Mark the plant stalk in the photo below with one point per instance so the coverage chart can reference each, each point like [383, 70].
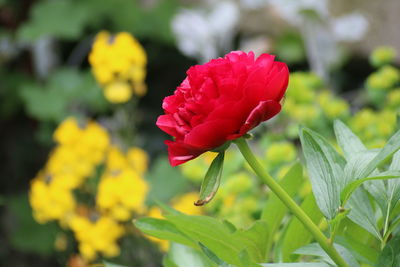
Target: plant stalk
[289, 202]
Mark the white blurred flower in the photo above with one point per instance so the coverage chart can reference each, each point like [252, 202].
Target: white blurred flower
[253, 4]
[349, 28]
[205, 35]
[291, 10]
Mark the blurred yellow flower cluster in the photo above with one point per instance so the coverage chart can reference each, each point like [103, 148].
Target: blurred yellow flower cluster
[97, 235]
[374, 127]
[119, 65]
[85, 163]
[307, 101]
[122, 189]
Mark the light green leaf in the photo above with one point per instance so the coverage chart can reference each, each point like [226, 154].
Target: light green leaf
[211, 181]
[61, 18]
[211, 233]
[347, 140]
[254, 240]
[274, 209]
[213, 257]
[361, 212]
[393, 185]
[384, 154]
[302, 264]
[351, 187]
[164, 230]
[109, 264]
[325, 167]
[356, 165]
[219, 238]
[315, 250]
[183, 256]
[296, 234]
[390, 255]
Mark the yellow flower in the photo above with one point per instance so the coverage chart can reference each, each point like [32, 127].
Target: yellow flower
[185, 204]
[67, 132]
[122, 190]
[138, 158]
[119, 65]
[98, 235]
[280, 152]
[49, 201]
[118, 92]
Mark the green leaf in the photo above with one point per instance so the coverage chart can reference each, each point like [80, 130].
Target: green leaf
[361, 212]
[25, 233]
[351, 187]
[219, 238]
[384, 154]
[361, 251]
[162, 189]
[163, 229]
[54, 18]
[66, 91]
[274, 210]
[393, 185]
[212, 233]
[356, 165]
[183, 256]
[109, 264]
[211, 181]
[254, 240]
[325, 167]
[347, 140]
[315, 250]
[390, 255]
[296, 234]
[213, 257]
[302, 264]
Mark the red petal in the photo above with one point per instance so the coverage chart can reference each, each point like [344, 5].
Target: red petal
[179, 152]
[211, 134]
[167, 124]
[264, 111]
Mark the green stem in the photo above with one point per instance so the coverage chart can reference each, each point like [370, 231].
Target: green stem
[289, 202]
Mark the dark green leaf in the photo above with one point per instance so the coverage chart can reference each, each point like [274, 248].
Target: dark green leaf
[390, 256]
[25, 233]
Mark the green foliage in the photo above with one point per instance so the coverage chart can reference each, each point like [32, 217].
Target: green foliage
[26, 234]
[296, 235]
[68, 92]
[315, 250]
[390, 256]
[64, 19]
[68, 19]
[224, 241]
[325, 167]
[182, 256]
[165, 182]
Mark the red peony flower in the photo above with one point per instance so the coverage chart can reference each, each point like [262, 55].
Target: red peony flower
[221, 101]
